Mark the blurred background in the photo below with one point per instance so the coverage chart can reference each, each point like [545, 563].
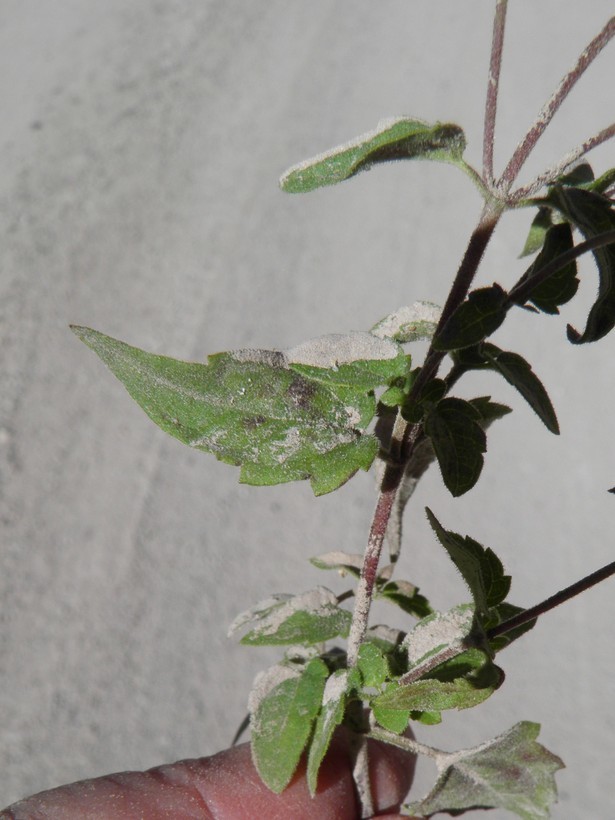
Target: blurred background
[141, 145]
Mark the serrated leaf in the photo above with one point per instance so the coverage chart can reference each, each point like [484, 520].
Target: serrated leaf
[518, 373]
[283, 706]
[461, 684]
[592, 214]
[329, 718]
[406, 596]
[480, 567]
[400, 138]
[310, 618]
[343, 562]
[538, 231]
[562, 285]
[511, 772]
[252, 409]
[488, 410]
[478, 317]
[459, 442]
[414, 323]
[395, 720]
[372, 665]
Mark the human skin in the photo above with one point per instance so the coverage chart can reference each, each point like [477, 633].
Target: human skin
[226, 786]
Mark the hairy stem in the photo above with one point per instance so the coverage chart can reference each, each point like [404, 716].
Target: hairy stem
[406, 743]
[523, 150]
[493, 83]
[555, 600]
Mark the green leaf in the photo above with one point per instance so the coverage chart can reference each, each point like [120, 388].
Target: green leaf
[489, 410]
[603, 182]
[409, 324]
[459, 443]
[395, 720]
[329, 718]
[393, 139]
[461, 683]
[592, 214]
[480, 567]
[372, 665]
[406, 596]
[499, 614]
[511, 772]
[310, 618]
[283, 706]
[252, 408]
[478, 317]
[520, 375]
[538, 231]
[581, 174]
[437, 632]
[562, 285]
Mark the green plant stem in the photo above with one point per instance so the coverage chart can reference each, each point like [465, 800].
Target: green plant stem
[555, 600]
[525, 147]
[493, 84]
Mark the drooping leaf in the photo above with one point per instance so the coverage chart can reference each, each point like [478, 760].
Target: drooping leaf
[310, 618]
[518, 373]
[478, 317]
[393, 139]
[592, 214]
[538, 231]
[511, 772]
[283, 706]
[253, 409]
[461, 683]
[480, 567]
[329, 718]
[459, 442]
[562, 285]
[406, 596]
[409, 324]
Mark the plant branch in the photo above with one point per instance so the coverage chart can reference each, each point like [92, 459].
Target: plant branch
[524, 287]
[551, 174]
[555, 600]
[493, 83]
[406, 743]
[523, 150]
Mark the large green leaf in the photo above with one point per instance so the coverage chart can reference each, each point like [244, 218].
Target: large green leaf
[511, 772]
[562, 285]
[480, 567]
[459, 442]
[400, 138]
[254, 408]
[309, 618]
[478, 317]
[592, 214]
[283, 705]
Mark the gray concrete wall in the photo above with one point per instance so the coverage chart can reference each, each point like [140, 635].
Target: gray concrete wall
[141, 144]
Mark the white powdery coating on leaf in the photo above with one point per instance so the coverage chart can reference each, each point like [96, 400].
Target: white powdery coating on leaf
[258, 611]
[265, 682]
[335, 688]
[443, 629]
[339, 560]
[416, 320]
[335, 349]
[320, 601]
[272, 358]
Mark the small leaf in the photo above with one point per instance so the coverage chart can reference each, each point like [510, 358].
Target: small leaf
[580, 174]
[395, 720]
[499, 614]
[406, 596]
[478, 317]
[344, 562]
[283, 706]
[444, 688]
[393, 139]
[409, 324]
[538, 230]
[480, 567]
[310, 618]
[520, 375]
[562, 285]
[253, 409]
[604, 181]
[329, 718]
[592, 214]
[489, 410]
[511, 772]
[459, 443]
[372, 665]
[437, 632]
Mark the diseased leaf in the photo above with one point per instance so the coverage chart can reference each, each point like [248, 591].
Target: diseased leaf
[520, 375]
[592, 214]
[309, 618]
[562, 285]
[461, 683]
[344, 562]
[283, 706]
[511, 772]
[478, 317]
[437, 632]
[538, 230]
[372, 665]
[406, 596]
[480, 567]
[329, 718]
[252, 408]
[459, 442]
[393, 139]
[409, 324]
